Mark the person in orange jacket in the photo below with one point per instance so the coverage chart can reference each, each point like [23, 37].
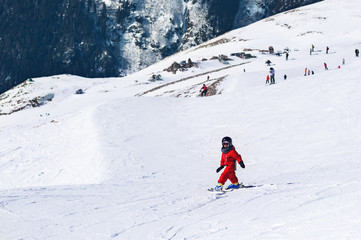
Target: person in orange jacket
[267, 79]
[228, 160]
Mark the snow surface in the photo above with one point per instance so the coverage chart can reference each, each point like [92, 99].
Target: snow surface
[132, 159]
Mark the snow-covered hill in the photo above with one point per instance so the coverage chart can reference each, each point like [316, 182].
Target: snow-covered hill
[132, 158]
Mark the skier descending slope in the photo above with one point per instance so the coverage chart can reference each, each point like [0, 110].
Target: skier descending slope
[228, 160]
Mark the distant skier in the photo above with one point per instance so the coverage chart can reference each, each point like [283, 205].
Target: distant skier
[272, 73]
[343, 61]
[287, 56]
[327, 48]
[285, 77]
[229, 159]
[325, 65]
[305, 71]
[203, 90]
[267, 79]
[357, 52]
[271, 50]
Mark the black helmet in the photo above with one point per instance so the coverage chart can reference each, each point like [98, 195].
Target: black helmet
[227, 139]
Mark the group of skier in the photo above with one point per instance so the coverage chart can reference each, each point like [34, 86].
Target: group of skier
[309, 72]
[271, 77]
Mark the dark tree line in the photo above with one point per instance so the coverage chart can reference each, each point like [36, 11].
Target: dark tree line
[222, 15]
[48, 37]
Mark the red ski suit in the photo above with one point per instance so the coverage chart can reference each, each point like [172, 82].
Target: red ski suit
[229, 160]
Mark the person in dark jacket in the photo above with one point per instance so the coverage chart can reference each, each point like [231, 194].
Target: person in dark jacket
[272, 73]
[229, 159]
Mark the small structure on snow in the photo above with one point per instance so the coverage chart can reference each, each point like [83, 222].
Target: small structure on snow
[182, 66]
[79, 91]
[243, 55]
[155, 77]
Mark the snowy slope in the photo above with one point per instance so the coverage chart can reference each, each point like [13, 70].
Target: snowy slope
[132, 159]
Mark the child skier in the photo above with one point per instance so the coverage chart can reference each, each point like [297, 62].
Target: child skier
[228, 160]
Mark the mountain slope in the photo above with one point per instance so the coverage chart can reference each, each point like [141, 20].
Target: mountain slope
[96, 38]
[132, 158]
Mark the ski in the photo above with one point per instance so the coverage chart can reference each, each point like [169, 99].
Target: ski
[226, 189]
[216, 192]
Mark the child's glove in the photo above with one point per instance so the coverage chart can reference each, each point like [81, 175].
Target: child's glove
[219, 169]
[242, 164]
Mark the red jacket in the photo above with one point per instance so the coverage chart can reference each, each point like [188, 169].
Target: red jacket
[229, 160]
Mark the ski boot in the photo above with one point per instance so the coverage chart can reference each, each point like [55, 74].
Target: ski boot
[218, 187]
[234, 186]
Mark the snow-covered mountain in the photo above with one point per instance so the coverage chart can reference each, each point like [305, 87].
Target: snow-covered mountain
[152, 30]
[132, 157]
[111, 38]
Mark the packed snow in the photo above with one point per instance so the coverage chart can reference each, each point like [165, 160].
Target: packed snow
[133, 159]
